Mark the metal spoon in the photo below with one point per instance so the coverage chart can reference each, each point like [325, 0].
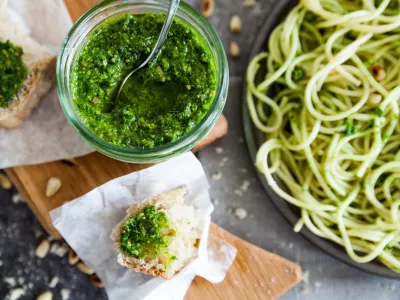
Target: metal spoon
[173, 7]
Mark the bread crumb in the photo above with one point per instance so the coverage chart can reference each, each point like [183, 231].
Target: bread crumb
[16, 294]
[65, 293]
[10, 281]
[240, 213]
[53, 282]
[304, 290]
[245, 185]
[249, 3]
[219, 150]
[223, 162]
[59, 249]
[216, 176]
[30, 285]
[21, 280]
[238, 192]
[306, 276]
[17, 198]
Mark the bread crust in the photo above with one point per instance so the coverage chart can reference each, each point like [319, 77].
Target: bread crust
[41, 78]
[163, 200]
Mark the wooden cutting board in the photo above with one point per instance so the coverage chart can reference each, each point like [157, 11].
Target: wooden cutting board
[255, 274]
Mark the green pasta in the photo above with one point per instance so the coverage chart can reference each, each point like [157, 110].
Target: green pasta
[329, 106]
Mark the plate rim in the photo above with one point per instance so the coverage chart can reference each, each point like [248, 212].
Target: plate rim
[285, 209]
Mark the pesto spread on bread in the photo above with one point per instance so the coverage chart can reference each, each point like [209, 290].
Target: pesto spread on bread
[12, 71]
[145, 235]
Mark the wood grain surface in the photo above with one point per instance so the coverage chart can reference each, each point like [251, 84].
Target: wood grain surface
[255, 274]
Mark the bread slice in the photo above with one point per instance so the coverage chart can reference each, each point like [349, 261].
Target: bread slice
[41, 77]
[184, 245]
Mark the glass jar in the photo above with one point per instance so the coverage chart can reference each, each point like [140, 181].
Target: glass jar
[77, 37]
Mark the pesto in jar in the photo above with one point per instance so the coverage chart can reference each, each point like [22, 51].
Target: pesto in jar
[12, 71]
[161, 102]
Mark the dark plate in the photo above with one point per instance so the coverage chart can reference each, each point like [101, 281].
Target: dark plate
[255, 138]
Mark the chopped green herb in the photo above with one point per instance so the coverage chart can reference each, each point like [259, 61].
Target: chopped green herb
[379, 112]
[142, 234]
[310, 17]
[350, 128]
[298, 74]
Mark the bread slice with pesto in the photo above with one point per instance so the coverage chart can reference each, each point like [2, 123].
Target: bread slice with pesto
[159, 235]
[40, 73]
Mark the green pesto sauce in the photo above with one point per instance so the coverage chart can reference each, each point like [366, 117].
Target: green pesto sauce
[142, 234]
[12, 71]
[160, 103]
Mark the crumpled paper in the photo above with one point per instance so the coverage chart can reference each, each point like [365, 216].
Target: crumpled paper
[46, 135]
[87, 222]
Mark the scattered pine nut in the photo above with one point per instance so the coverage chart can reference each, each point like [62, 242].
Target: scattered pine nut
[207, 8]
[374, 98]
[234, 49]
[65, 293]
[53, 186]
[47, 295]
[84, 268]
[72, 257]
[95, 280]
[5, 183]
[240, 213]
[249, 3]
[378, 72]
[42, 249]
[235, 24]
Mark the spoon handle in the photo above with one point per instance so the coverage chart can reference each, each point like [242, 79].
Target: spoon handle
[173, 7]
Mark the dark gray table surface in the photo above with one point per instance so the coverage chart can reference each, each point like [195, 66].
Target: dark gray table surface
[233, 185]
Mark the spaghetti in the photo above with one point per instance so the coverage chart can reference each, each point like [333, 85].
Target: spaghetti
[329, 106]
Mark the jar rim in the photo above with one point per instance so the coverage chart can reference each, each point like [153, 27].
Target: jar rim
[162, 152]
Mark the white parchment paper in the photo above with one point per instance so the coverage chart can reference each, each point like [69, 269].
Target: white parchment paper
[46, 135]
[87, 222]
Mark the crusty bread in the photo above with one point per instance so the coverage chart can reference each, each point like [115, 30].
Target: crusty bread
[184, 245]
[41, 72]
